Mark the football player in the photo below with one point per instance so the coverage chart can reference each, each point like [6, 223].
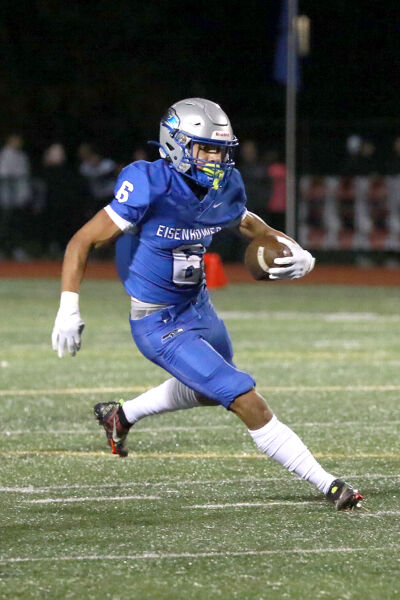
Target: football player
[169, 210]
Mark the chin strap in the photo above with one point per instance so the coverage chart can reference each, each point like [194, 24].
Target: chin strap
[163, 152]
[210, 175]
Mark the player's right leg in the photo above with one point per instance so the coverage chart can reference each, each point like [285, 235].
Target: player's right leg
[118, 417]
[111, 417]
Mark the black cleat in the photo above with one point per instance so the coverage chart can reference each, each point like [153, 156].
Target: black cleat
[107, 415]
[343, 497]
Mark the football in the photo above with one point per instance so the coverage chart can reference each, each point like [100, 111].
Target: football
[261, 253]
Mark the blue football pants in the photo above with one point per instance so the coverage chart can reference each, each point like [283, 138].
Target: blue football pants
[191, 342]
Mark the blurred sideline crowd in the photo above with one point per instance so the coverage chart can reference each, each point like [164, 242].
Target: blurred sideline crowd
[356, 209]
[42, 208]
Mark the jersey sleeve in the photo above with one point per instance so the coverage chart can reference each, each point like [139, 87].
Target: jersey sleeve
[131, 200]
[234, 224]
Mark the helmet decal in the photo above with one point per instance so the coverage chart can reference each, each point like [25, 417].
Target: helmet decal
[220, 135]
[172, 119]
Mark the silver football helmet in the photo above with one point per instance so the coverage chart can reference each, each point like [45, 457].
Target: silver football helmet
[197, 121]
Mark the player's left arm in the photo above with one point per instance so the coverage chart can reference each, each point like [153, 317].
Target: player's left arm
[297, 265]
[253, 226]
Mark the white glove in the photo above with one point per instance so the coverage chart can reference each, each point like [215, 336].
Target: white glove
[292, 267]
[68, 326]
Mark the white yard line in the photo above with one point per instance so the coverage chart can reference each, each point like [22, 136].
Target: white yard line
[95, 431]
[90, 499]
[241, 315]
[250, 504]
[380, 513]
[160, 430]
[169, 484]
[175, 484]
[139, 389]
[211, 554]
[363, 424]
[190, 455]
[66, 391]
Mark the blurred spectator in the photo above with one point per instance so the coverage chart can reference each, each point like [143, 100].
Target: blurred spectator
[369, 165]
[255, 177]
[353, 144]
[66, 201]
[15, 196]
[393, 162]
[346, 204]
[361, 159]
[276, 170]
[140, 153]
[318, 223]
[378, 204]
[54, 156]
[100, 173]
[14, 173]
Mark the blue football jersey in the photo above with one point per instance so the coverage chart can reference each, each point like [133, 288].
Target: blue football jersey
[160, 258]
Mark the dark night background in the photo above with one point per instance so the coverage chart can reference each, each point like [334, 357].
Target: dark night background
[106, 71]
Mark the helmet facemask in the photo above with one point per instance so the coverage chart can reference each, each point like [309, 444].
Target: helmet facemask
[206, 173]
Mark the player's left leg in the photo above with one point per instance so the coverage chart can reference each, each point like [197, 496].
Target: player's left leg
[278, 441]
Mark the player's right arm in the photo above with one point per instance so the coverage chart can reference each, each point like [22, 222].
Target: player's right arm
[68, 327]
[128, 207]
[97, 232]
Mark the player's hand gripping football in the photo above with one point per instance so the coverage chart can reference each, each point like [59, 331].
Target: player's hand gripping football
[292, 267]
[68, 326]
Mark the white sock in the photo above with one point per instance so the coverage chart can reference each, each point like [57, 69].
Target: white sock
[281, 443]
[167, 397]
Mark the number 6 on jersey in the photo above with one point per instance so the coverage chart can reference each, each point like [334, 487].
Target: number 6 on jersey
[123, 193]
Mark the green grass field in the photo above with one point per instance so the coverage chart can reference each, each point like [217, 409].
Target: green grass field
[195, 512]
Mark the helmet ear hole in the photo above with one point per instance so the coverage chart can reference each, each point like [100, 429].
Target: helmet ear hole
[181, 138]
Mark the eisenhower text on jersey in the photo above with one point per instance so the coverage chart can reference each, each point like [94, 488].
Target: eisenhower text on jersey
[176, 233]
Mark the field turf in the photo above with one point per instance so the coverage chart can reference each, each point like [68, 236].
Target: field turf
[195, 512]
